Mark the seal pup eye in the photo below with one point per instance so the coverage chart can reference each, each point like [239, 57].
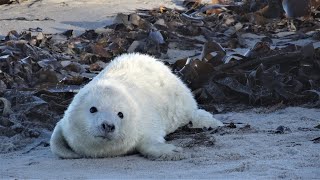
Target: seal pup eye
[93, 109]
[120, 114]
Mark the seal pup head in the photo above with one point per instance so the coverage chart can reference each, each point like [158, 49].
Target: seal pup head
[100, 121]
[102, 114]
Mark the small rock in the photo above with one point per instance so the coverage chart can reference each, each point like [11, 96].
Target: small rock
[272, 10]
[296, 8]
[5, 2]
[231, 125]
[316, 140]
[282, 130]
[157, 37]
[161, 23]
[32, 134]
[5, 122]
[134, 46]
[18, 129]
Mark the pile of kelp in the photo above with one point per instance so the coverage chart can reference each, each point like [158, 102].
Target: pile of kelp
[40, 73]
[8, 2]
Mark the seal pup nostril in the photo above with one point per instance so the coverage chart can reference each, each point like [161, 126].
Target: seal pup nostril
[112, 127]
[108, 127]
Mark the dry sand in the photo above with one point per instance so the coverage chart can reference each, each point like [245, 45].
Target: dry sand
[78, 15]
[254, 152]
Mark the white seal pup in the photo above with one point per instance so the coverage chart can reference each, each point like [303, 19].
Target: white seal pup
[130, 106]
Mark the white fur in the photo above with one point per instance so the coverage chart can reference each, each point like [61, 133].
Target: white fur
[153, 100]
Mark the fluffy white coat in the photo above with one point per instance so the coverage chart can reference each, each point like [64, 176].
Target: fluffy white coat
[141, 100]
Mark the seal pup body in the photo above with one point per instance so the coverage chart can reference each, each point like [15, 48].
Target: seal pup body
[129, 106]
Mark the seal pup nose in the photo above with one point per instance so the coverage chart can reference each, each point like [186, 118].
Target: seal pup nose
[107, 127]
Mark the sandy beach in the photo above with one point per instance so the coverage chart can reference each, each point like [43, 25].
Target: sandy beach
[256, 151]
[57, 16]
[265, 144]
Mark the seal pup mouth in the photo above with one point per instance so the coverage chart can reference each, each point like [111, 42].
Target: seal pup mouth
[104, 137]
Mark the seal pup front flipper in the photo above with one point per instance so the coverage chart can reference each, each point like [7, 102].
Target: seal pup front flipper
[59, 145]
[160, 151]
[204, 119]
